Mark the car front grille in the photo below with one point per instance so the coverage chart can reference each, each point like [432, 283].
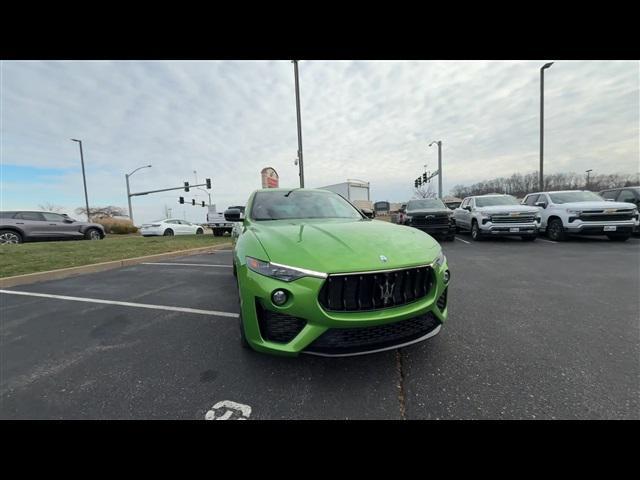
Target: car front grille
[510, 219]
[600, 216]
[336, 341]
[430, 220]
[278, 327]
[375, 290]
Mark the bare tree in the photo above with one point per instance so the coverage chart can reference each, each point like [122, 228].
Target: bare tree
[51, 207]
[424, 191]
[102, 212]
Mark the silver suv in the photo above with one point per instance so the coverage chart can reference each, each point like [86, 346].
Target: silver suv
[18, 227]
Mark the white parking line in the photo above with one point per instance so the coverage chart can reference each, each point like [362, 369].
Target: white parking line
[124, 304]
[188, 264]
[469, 243]
[548, 241]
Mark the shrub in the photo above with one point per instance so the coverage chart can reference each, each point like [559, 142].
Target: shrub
[117, 226]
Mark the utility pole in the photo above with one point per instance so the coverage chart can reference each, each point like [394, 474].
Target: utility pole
[439, 143]
[300, 165]
[588, 172]
[541, 179]
[84, 179]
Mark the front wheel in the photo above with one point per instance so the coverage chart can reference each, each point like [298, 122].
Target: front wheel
[555, 230]
[168, 233]
[199, 231]
[9, 236]
[475, 232]
[619, 238]
[92, 234]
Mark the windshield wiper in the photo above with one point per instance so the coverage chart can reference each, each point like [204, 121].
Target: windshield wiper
[289, 192]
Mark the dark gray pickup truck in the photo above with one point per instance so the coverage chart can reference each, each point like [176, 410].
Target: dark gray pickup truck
[431, 216]
[24, 226]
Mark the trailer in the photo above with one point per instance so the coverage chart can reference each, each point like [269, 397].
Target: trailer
[356, 191]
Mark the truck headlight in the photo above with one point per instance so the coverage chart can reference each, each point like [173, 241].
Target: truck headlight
[281, 272]
[440, 259]
[574, 211]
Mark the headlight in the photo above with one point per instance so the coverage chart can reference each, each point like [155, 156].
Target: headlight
[281, 272]
[574, 211]
[440, 259]
[407, 218]
[485, 215]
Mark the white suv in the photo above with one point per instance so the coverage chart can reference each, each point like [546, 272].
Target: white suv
[584, 213]
[493, 215]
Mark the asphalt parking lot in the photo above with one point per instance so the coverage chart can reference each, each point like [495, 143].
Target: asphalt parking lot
[536, 330]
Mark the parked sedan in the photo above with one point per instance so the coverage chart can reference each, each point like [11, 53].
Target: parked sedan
[169, 227]
[18, 227]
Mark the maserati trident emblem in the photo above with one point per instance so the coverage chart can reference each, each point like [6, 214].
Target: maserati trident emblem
[383, 258]
[386, 291]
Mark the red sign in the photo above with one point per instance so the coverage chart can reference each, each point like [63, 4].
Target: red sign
[270, 178]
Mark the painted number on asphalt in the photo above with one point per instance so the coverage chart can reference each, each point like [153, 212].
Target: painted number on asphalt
[228, 410]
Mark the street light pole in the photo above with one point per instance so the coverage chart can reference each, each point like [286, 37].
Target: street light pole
[588, 171]
[84, 179]
[300, 166]
[541, 173]
[126, 176]
[439, 143]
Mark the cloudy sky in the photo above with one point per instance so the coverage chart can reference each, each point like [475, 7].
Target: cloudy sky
[368, 120]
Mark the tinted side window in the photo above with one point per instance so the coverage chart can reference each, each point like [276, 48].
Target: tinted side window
[53, 217]
[542, 198]
[464, 203]
[627, 196]
[610, 195]
[30, 216]
[7, 214]
[531, 199]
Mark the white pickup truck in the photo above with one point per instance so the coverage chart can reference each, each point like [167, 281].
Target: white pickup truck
[584, 213]
[496, 215]
[217, 223]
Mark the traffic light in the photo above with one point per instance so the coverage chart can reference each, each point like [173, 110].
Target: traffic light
[208, 180]
[181, 200]
[424, 178]
[419, 181]
[416, 183]
[186, 186]
[193, 201]
[203, 203]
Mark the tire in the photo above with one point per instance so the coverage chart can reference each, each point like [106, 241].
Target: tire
[555, 230]
[476, 235]
[199, 231]
[168, 233]
[9, 237]
[93, 234]
[235, 272]
[243, 339]
[619, 238]
[528, 238]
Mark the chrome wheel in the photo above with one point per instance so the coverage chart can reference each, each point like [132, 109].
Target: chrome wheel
[9, 237]
[94, 235]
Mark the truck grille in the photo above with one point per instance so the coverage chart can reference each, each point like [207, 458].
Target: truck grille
[361, 339]
[510, 219]
[375, 290]
[278, 327]
[431, 220]
[600, 216]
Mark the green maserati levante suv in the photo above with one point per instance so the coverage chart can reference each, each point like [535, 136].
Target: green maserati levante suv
[316, 276]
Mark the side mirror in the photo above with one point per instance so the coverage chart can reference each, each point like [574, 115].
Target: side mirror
[233, 215]
[367, 212]
[541, 204]
[468, 207]
[67, 220]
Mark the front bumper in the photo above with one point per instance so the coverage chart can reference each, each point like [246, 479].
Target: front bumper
[321, 332]
[435, 229]
[601, 228]
[490, 228]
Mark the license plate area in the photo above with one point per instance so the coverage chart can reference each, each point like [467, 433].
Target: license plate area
[610, 228]
[514, 230]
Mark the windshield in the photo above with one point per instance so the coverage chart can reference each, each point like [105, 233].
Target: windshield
[491, 201]
[280, 205]
[426, 203]
[567, 197]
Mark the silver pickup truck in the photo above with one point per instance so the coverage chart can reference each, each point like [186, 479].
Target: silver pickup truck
[494, 215]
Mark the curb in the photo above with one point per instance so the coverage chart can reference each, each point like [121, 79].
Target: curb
[100, 267]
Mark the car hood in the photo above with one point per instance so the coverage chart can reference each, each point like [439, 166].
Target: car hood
[428, 211]
[595, 205]
[507, 209]
[337, 245]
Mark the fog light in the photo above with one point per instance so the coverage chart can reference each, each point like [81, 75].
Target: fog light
[445, 276]
[279, 297]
